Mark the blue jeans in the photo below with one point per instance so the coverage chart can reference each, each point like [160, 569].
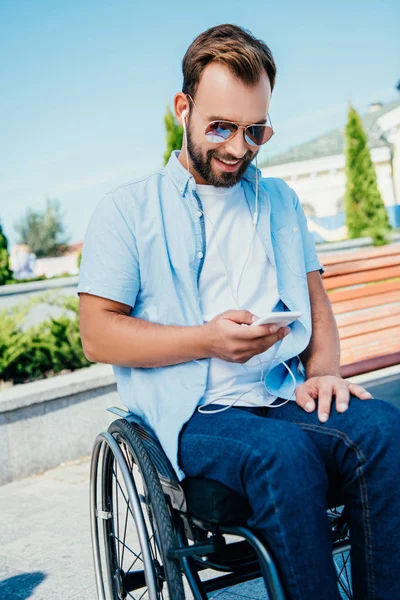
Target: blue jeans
[284, 460]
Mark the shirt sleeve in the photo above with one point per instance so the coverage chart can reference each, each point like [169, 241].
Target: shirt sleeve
[310, 253]
[110, 264]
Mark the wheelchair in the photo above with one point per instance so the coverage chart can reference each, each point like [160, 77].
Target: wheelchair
[154, 537]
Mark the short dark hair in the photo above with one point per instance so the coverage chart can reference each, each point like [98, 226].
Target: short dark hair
[233, 46]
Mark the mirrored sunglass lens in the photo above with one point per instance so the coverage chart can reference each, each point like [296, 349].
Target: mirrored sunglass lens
[256, 135]
[220, 131]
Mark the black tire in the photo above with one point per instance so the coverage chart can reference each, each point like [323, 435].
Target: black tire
[159, 526]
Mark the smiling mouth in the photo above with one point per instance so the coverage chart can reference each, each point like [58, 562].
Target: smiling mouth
[228, 166]
[230, 163]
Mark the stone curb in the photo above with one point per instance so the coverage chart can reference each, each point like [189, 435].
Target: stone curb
[34, 286]
[44, 390]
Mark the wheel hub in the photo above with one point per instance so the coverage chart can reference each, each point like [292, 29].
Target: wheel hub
[119, 583]
[159, 575]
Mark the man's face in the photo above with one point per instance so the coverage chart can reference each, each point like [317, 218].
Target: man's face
[221, 95]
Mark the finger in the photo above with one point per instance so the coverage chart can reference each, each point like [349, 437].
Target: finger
[325, 401]
[304, 399]
[240, 316]
[342, 397]
[262, 344]
[264, 331]
[359, 391]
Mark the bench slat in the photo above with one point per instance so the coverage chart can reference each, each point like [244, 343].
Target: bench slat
[357, 266]
[362, 277]
[365, 316]
[349, 355]
[334, 258]
[365, 302]
[373, 339]
[363, 327]
[368, 290]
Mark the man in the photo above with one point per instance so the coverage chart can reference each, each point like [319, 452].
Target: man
[174, 264]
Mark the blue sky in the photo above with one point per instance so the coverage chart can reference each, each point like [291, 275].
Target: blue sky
[85, 85]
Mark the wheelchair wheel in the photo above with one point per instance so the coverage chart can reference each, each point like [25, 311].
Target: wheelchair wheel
[133, 521]
[341, 553]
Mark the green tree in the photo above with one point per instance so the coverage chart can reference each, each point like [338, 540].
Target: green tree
[44, 232]
[174, 134]
[365, 210]
[5, 271]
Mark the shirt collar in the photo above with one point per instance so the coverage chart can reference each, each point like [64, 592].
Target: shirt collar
[181, 176]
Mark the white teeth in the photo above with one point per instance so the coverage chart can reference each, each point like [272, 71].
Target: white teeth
[229, 162]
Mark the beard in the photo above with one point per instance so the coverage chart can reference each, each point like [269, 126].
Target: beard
[204, 166]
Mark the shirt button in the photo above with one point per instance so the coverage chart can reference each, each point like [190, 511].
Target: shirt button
[87, 289]
[295, 229]
[200, 254]
[199, 213]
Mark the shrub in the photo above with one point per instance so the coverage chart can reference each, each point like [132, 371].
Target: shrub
[38, 351]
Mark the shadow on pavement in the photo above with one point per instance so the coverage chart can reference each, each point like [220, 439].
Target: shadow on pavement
[20, 587]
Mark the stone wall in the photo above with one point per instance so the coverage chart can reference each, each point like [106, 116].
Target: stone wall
[47, 422]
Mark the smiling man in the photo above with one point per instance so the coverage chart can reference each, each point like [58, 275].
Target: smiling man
[174, 265]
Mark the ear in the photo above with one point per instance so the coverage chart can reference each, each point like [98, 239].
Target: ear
[181, 107]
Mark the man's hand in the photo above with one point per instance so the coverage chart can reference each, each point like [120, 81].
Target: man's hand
[228, 340]
[323, 388]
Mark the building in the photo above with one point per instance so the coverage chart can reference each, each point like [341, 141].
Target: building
[316, 171]
[25, 265]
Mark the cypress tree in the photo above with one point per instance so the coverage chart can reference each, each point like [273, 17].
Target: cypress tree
[365, 211]
[5, 271]
[174, 134]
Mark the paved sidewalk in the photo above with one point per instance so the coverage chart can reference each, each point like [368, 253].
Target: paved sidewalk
[46, 551]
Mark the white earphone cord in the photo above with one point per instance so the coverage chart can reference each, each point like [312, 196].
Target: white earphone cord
[236, 299]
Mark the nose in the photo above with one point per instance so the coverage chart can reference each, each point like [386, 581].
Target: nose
[237, 146]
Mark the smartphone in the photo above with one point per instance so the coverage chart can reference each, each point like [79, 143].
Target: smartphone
[281, 319]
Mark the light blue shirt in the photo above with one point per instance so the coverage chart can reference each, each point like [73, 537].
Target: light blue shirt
[145, 247]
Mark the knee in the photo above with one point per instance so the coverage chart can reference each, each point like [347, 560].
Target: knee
[379, 421]
[286, 450]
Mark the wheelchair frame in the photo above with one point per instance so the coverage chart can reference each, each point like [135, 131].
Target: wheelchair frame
[241, 561]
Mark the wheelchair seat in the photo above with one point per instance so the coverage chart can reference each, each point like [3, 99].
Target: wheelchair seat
[212, 501]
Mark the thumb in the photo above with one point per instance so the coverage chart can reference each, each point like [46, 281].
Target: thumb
[240, 316]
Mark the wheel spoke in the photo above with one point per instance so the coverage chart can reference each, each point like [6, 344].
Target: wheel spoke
[125, 498]
[343, 575]
[133, 564]
[126, 523]
[116, 495]
[130, 550]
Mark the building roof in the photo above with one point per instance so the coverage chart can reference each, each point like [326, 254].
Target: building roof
[330, 143]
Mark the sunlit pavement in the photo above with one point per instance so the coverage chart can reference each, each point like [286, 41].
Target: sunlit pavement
[46, 546]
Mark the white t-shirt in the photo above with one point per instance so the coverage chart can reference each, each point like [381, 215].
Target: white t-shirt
[231, 228]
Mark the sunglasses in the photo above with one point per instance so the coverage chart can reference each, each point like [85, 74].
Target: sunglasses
[218, 132]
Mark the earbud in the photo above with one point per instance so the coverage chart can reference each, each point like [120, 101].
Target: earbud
[183, 115]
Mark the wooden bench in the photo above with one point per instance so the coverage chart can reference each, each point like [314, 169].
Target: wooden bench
[364, 288]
